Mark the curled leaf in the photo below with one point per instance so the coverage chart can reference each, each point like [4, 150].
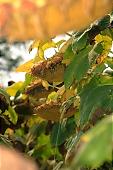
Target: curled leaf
[37, 90]
[51, 111]
[50, 70]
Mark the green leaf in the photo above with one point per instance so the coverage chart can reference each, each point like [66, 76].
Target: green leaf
[98, 48]
[80, 42]
[77, 68]
[111, 32]
[69, 53]
[97, 97]
[109, 61]
[106, 80]
[99, 68]
[5, 94]
[35, 131]
[69, 74]
[59, 134]
[12, 115]
[43, 150]
[28, 79]
[95, 52]
[104, 22]
[43, 139]
[73, 140]
[20, 135]
[59, 43]
[108, 32]
[61, 131]
[96, 145]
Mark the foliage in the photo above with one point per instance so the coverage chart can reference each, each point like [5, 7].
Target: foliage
[61, 114]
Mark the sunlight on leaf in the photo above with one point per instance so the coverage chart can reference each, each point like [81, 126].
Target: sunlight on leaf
[26, 67]
[12, 90]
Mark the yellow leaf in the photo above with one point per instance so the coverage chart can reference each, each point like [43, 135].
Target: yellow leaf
[9, 131]
[68, 93]
[56, 83]
[107, 46]
[100, 59]
[12, 90]
[41, 53]
[52, 96]
[100, 38]
[34, 120]
[45, 84]
[26, 67]
[49, 44]
[42, 44]
[106, 42]
[61, 91]
[35, 44]
[107, 38]
[24, 96]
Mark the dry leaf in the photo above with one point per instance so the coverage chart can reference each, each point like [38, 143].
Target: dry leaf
[51, 111]
[26, 67]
